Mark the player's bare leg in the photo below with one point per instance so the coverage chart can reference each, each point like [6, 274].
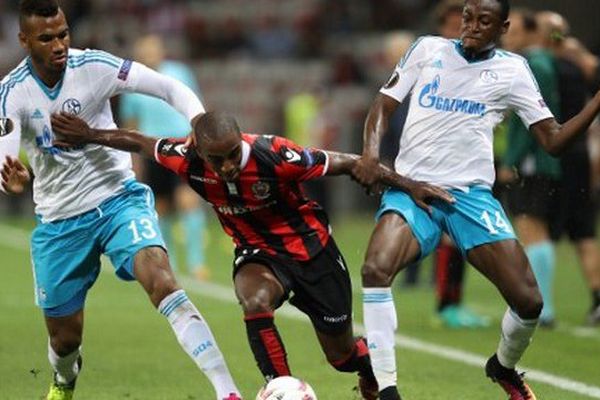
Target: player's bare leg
[64, 344]
[347, 353]
[391, 248]
[152, 270]
[259, 293]
[505, 264]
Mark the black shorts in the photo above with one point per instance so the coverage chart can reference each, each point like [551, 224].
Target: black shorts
[162, 181]
[534, 195]
[321, 286]
[574, 210]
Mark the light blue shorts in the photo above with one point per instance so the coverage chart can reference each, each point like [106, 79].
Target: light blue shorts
[66, 253]
[474, 219]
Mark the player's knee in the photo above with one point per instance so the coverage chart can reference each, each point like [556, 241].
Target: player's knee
[530, 307]
[256, 304]
[154, 273]
[65, 343]
[374, 275]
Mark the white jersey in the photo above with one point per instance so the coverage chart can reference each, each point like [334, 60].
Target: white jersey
[454, 107]
[71, 181]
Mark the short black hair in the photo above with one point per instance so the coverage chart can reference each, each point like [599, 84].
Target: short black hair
[214, 124]
[504, 8]
[40, 8]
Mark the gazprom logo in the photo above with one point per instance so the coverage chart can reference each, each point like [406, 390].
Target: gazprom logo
[428, 98]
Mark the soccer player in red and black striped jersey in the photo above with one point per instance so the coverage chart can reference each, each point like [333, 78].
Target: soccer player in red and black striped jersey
[283, 240]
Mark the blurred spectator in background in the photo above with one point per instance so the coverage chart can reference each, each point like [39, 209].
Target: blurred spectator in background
[270, 39]
[448, 18]
[575, 209]
[309, 122]
[535, 188]
[346, 70]
[10, 50]
[174, 202]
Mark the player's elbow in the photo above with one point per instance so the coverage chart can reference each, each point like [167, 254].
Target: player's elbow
[551, 145]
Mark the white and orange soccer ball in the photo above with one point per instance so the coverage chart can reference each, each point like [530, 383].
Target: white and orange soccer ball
[286, 388]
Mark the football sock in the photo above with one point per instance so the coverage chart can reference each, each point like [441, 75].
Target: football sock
[267, 346]
[197, 340]
[516, 335]
[66, 367]
[357, 361]
[542, 260]
[193, 226]
[166, 228]
[450, 267]
[380, 323]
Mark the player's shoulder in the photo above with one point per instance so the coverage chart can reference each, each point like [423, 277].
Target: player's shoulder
[508, 58]
[92, 57]
[269, 148]
[13, 83]
[431, 42]
[172, 147]
[272, 143]
[19, 74]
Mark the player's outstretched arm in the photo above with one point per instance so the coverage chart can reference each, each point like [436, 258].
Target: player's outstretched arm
[14, 176]
[422, 193]
[375, 127]
[554, 138]
[75, 131]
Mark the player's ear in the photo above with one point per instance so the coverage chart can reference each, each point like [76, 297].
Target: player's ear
[23, 41]
[505, 26]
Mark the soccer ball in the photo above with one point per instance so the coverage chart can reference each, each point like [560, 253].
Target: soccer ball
[286, 388]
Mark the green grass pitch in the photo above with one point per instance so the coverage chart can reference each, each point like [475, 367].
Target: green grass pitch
[130, 352]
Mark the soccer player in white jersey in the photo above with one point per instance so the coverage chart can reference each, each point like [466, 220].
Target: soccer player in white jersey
[87, 200]
[460, 90]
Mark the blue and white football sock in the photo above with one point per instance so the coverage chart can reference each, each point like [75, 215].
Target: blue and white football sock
[379, 313]
[194, 225]
[542, 260]
[516, 336]
[166, 228]
[66, 367]
[197, 340]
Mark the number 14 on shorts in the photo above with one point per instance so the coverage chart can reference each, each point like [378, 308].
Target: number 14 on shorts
[495, 223]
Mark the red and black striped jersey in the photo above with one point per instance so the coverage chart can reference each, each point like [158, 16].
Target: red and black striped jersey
[265, 207]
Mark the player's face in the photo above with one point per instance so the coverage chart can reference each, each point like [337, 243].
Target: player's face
[224, 156]
[482, 25]
[47, 40]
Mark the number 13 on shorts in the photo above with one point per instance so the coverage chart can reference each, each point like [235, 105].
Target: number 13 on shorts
[141, 228]
[495, 223]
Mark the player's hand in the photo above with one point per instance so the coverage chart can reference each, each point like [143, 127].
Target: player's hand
[71, 130]
[14, 176]
[366, 171]
[423, 194]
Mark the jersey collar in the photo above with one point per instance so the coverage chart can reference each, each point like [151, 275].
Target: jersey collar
[245, 154]
[485, 55]
[52, 93]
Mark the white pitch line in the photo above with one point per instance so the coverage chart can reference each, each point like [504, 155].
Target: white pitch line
[19, 239]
